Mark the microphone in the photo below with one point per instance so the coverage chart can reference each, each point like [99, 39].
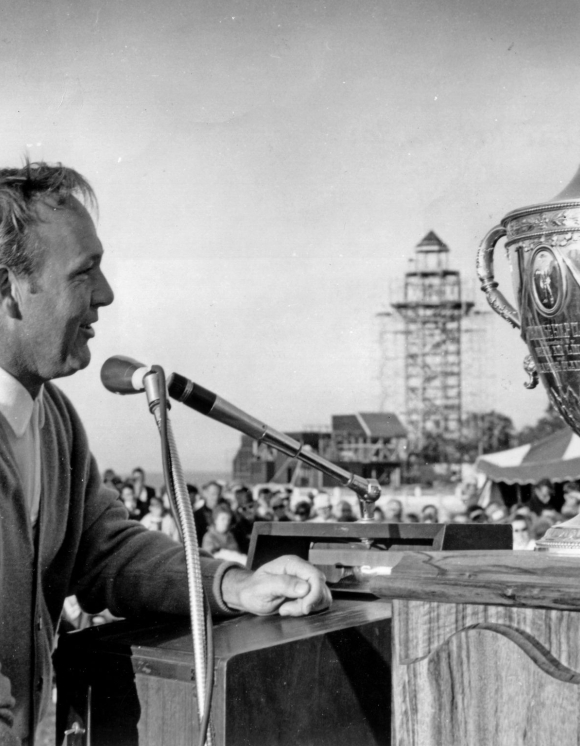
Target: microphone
[211, 405]
[123, 375]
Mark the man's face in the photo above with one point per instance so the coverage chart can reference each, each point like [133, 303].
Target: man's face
[393, 511]
[248, 510]
[128, 497]
[212, 494]
[521, 533]
[60, 303]
[222, 523]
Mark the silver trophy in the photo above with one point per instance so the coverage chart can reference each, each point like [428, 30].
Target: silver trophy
[542, 243]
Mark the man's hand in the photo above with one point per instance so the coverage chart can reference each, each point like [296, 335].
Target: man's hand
[287, 585]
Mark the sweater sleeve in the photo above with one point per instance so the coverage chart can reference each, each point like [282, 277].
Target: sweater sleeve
[129, 570]
[7, 737]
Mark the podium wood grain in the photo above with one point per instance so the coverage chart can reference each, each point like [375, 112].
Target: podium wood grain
[502, 672]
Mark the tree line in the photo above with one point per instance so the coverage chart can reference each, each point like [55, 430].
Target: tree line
[487, 432]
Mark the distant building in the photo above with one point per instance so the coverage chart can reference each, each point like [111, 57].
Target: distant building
[370, 444]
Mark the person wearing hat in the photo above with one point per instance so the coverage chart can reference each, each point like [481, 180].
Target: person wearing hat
[323, 509]
[279, 507]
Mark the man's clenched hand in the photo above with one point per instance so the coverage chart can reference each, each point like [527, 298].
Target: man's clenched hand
[288, 586]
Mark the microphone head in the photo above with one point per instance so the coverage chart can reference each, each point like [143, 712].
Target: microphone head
[123, 375]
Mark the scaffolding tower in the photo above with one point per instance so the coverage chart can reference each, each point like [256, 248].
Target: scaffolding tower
[426, 320]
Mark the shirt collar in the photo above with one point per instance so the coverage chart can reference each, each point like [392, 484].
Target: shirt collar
[16, 404]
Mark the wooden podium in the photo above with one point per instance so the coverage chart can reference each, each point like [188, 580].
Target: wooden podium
[486, 649]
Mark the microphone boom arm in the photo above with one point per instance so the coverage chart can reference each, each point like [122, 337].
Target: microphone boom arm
[206, 402]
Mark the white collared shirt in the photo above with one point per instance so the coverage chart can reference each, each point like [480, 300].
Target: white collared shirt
[22, 418]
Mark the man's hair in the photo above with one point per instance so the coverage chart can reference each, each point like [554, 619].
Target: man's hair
[21, 189]
[221, 508]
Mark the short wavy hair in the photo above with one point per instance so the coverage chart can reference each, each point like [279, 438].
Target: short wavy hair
[21, 189]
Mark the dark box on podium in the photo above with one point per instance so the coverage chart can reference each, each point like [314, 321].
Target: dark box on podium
[322, 680]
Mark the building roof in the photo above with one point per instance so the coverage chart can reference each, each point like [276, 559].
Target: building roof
[432, 242]
[370, 424]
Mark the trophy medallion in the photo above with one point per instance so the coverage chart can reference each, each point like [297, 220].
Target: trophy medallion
[542, 243]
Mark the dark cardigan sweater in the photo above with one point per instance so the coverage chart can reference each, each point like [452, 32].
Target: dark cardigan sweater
[85, 546]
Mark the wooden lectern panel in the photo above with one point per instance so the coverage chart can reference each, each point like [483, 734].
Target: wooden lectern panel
[481, 689]
[486, 648]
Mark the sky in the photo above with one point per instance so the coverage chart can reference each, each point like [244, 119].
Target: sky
[264, 171]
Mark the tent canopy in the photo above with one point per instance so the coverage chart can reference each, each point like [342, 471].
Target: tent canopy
[556, 458]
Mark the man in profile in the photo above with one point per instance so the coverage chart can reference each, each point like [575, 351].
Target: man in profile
[61, 531]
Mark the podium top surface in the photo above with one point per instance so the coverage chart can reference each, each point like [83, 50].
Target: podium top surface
[169, 638]
[505, 578]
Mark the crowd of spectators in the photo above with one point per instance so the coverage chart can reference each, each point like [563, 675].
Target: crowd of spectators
[529, 520]
[225, 513]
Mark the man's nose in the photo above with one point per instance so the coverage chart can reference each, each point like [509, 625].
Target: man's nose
[103, 295]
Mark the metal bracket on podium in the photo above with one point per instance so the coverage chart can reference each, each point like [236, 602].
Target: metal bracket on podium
[351, 554]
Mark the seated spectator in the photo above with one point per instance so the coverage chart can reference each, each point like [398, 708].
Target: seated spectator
[323, 509]
[279, 506]
[429, 514]
[522, 529]
[378, 515]
[130, 501]
[219, 539]
[158, 519]
[199, 514]
[263, 510]
[244, 518]
[394, 511]
[143, 492]
[496, 512]
[542, 498]
[469, 492]
[476, 514]
[211, 493]
[541, 526]
[112, 480]
[344, 512]
[571, 505]
[551, 515]
[412, 518]
[302, 511]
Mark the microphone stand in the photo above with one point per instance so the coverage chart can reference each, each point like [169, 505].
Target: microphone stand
[201, 623]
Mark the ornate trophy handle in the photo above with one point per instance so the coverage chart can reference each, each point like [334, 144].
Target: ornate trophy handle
[489, 286]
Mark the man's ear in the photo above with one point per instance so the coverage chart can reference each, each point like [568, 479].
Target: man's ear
[9, 294]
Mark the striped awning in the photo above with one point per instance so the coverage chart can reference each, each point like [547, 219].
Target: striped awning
[556, 458]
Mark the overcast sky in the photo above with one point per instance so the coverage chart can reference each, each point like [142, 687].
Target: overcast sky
[264, 171]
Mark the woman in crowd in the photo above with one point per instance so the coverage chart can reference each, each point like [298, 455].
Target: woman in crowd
[158, 519]
[130, 501]
[219, 539]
